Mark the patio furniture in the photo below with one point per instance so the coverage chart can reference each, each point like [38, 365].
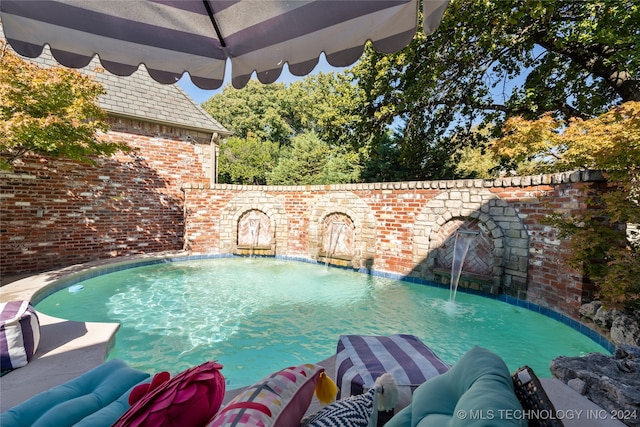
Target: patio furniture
[95, 398]
[360, 360]
[476, 391]
[19, 334]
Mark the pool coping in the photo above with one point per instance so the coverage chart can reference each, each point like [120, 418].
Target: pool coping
[76, 347]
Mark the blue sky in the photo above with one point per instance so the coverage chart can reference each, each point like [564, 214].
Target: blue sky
[201, 95]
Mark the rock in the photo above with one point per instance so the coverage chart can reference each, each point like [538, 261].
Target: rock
[604, 318]
[590, 309]
[625, 329]
[578, 385]
[611, 382]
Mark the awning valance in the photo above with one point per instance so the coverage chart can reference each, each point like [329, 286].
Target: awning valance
[199, 36]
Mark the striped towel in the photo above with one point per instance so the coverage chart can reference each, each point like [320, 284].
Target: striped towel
[361, 359]
[19, 334]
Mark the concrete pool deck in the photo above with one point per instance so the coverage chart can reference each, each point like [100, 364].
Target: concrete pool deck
[68, 349]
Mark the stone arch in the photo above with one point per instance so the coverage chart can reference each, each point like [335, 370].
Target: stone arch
[241, 205]
[362, 220]
[498, 222]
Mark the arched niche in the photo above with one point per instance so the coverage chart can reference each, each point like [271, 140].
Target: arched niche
[254, 232]
[338, 239]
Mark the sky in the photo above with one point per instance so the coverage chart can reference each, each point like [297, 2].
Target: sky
[201, 95]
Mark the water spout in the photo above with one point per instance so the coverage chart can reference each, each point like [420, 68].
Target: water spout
[333, 240]
[254, 230]
[460, 248]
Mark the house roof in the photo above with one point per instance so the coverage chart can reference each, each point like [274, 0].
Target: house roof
[139, 96]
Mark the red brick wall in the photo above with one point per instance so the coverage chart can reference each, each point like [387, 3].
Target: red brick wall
[56, 213]
[550, 281]
[394, 218]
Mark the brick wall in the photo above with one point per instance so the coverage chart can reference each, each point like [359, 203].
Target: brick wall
[409, 228]
[55, 213]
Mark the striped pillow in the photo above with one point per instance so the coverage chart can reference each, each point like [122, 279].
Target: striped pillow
[19, 334]
[361, 359]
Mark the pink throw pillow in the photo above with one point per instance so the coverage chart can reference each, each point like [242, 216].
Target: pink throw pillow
[191, 398]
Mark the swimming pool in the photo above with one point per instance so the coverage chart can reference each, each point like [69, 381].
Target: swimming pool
[257, 315]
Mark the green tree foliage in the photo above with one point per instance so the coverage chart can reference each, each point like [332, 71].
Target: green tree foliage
[491, 60]
[246, 160]
[382, 160]
[320, 103]
[311, 161]
[257, 111]
[476, 162]
[49, 111]
[610, 143]
[319, 107]
[325, 104]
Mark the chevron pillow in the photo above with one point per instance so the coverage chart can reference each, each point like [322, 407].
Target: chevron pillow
[354, 411]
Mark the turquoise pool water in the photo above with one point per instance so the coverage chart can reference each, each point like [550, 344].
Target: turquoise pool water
[257, 315]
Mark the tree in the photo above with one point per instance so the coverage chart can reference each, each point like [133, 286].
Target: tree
[491, 60]
[610, 143]
[319, 105]
[476, 162]
[311, 161]
[325, 103]
[261, 111]
[49, 111]
[381, 160]
[246, 160]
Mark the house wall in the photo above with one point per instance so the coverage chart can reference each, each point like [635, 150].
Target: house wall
[56, 213]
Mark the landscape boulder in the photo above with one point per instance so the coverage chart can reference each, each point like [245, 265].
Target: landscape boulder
[611, 382]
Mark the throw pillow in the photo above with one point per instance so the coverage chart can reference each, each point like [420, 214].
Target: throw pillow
[278, 400]
[370, 409]
[191, 398]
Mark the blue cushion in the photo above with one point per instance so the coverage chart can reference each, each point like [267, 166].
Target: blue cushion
[110, 413]
[89, 395]
[476, 391]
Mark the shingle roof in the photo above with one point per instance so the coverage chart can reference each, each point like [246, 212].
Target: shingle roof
[139, 96]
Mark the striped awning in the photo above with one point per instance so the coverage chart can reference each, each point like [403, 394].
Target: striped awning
[171, 37]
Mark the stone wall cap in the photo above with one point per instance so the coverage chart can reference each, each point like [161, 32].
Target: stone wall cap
[502, 182]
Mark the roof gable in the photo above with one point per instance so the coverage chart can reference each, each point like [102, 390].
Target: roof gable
[139, 96]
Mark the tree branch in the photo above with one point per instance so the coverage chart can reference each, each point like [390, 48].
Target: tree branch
[592, 58]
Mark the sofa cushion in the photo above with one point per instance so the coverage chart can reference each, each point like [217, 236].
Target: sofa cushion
[70, 403]
[476, 391]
